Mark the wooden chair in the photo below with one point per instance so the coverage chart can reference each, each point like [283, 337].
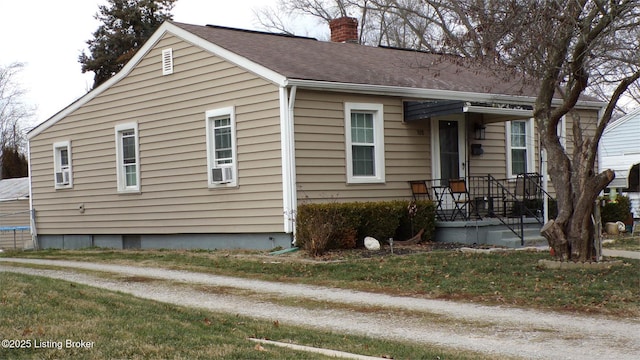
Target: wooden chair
[420, 190]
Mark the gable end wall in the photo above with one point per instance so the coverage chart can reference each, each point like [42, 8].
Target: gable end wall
[170, 112]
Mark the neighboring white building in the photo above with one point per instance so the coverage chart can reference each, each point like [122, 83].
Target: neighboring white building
[619, 150]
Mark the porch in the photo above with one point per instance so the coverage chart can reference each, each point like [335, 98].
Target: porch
[488, 211]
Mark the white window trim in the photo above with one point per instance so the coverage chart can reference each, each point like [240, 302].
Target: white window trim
[378, 129]
[120, 173]
[210, 115]
[530, 147]
[57, 164]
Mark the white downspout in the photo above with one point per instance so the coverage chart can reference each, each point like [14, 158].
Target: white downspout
[287, 137]
[32, 213]
[545, 185]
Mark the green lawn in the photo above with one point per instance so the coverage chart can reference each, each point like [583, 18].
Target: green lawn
[508, 278]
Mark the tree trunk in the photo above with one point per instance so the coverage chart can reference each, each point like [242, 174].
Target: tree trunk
[557, 241]
[575, 241]
[580, 234]
[571, 234]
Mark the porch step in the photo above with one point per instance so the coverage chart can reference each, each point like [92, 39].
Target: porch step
[507, 238]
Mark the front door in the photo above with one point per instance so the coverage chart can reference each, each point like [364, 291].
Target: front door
[448, 149]
[448, 158]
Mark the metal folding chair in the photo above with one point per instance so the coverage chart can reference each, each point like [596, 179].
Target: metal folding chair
[461, 199]
[441, 194]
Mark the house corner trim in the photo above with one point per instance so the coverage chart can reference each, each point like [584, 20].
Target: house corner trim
[287, 141]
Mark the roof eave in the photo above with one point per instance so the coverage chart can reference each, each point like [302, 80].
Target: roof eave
[19, 198]
[631, 115]
[421, 93]
[282, 81]
[238, 60]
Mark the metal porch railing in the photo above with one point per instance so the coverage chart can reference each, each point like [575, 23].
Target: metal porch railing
[511, 201]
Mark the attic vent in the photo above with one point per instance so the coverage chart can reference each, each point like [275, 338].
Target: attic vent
[167, 61]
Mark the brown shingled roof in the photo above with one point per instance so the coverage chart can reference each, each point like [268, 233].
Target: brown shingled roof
[308, 59]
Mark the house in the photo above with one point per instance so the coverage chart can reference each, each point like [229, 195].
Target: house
[620, 152]
[14, 213]
[210, 137]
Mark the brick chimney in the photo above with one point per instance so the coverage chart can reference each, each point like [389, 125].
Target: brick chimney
[344, 29]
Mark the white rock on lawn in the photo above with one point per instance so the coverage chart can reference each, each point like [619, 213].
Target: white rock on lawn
[371, 243]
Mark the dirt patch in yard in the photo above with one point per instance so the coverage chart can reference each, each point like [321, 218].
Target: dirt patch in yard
[385, 251]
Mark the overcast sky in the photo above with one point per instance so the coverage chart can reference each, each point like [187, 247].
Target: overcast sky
[48, 36]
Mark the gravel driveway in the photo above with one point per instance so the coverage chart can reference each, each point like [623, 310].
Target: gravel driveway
[500, 331]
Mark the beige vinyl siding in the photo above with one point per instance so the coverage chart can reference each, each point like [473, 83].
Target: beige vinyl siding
[493, 161]
[170, 112]
[320, 149]
[14, 213]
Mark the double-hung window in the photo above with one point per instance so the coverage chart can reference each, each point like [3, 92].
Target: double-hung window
[127, 157]
[519, 147]
[62, 165]
[364, 129]
[221, 147]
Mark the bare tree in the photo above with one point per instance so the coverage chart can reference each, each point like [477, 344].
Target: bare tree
[15, 116]
[377, 24]
[274, 19]
[589, 45]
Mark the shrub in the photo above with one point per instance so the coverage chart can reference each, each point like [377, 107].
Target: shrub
[616, 210]
[423, 218]
[379, 219]
[321, 227]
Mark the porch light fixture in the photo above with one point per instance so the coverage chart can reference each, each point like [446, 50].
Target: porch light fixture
[480, 131]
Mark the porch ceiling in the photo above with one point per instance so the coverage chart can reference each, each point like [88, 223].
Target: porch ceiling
[421, 110]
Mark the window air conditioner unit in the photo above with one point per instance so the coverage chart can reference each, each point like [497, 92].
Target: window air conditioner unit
[223, 175]
[62, 178]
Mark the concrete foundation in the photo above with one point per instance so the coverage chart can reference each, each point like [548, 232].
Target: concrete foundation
[173, 241]
[488, 232]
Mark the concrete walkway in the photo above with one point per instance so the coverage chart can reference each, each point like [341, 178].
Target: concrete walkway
[621, 253]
